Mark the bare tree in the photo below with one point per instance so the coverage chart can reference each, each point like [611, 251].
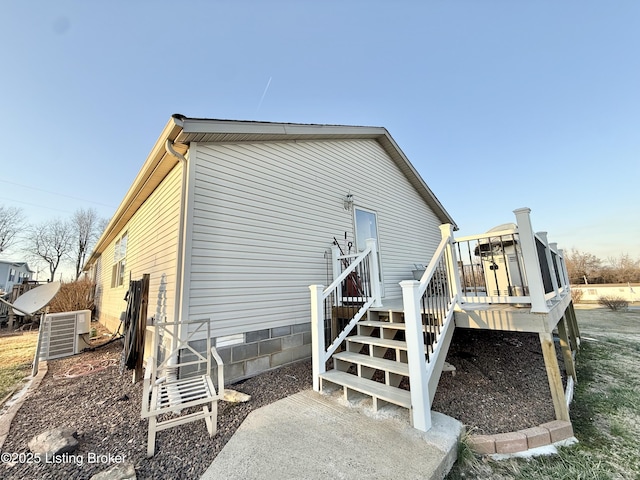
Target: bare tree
[621, 270]
[582, 266]
[50, 241]
[103, 223]
[85, 225]
[11, 222]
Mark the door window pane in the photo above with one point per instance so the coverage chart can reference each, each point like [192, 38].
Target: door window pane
[366, 227]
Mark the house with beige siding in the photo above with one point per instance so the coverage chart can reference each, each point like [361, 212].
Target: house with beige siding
[233, 220]
[592, 293]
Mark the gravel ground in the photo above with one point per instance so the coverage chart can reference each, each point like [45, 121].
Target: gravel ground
[500, 385]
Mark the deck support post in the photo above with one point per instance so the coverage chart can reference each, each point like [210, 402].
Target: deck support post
[574, 330]
[566, 345]
[318, 363]
[531, 262]
[418, 378]
[553, 375]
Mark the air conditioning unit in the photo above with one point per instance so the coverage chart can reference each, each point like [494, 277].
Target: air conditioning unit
[61, 334]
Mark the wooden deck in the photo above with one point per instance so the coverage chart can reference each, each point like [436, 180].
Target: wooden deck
[494, 316]
[510, 318]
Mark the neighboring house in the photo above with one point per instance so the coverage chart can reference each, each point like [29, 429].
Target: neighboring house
[233, 220]
[591, 293]
[12, 273]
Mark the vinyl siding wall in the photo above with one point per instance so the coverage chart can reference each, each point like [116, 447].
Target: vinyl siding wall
[152, 245]
[264, 216]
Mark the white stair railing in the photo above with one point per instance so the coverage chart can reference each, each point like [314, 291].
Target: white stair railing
[428, 315]
[351, 294]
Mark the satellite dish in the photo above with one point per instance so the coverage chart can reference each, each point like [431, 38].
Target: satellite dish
[35, 299]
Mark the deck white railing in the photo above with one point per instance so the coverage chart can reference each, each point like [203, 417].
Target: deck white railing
[512, 266]
[429, 306]
[336, 309]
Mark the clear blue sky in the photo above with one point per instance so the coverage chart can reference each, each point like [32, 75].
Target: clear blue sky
[498, 104]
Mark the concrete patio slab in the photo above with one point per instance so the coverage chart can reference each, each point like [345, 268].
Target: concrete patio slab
[313, 436]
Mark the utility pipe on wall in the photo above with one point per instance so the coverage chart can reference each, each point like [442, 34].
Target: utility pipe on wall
[168, 145]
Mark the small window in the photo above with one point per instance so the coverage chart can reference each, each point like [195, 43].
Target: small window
[12, 275]
[119, 262]
[366, 227]
[592, 291]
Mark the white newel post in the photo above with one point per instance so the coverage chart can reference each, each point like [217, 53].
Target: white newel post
[552, 268]
[452, 261]
[554, 247]
[337, 270]
[531, 263]
[318, 363]
[560, 263]
[563, 268]
[420, 403]
[375, 273]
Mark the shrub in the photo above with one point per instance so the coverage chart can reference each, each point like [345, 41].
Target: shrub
[576, 295]
[73, 296]
[613, 303]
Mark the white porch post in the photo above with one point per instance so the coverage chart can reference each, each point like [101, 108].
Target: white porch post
[563, 267]
[375, 273]
[554, 246]
[552, 268]
[337, 270]
[452, 261]
[531, 263]
[419, 380]
[318, 364]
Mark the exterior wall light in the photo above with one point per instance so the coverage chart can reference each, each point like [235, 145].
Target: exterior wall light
[348, 202]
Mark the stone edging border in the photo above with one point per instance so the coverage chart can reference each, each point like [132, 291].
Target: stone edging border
[522, 440]
[7, 417]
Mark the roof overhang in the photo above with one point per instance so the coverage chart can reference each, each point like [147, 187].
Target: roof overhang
[218, 131]
[181, 131]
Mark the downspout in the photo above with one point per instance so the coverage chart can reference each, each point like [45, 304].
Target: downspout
[181, 241]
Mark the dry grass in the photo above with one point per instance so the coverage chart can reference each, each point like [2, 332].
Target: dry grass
[16, 357]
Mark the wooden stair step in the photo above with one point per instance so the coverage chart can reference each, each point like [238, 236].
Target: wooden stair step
[374, 362]
[381, 391]
[378, 342]
[381, 324]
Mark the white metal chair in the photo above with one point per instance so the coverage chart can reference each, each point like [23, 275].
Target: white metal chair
[181, 380]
